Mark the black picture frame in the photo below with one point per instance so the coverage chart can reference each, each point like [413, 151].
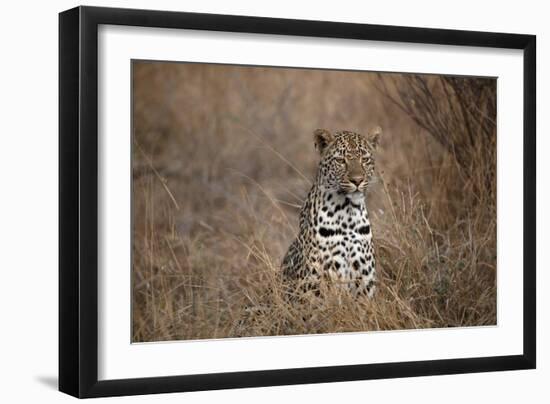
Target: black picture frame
[78, 201]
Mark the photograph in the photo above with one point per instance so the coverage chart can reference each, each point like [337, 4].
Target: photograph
[264, 203]
[276, 201]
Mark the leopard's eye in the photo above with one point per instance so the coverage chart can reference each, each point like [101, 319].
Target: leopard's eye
[340, 160]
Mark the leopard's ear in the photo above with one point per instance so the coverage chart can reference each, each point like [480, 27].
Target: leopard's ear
[374, 136]
[323, 138]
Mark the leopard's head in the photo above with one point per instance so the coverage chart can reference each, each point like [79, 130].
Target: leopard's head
[347, 159]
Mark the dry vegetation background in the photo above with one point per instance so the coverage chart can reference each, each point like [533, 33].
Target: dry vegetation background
[223, 157]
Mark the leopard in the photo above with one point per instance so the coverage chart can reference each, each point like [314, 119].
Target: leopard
[335, 238]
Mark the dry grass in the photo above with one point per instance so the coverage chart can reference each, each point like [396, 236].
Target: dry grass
[223, 157]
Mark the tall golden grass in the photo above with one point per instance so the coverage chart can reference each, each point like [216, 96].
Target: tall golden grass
[223, 157]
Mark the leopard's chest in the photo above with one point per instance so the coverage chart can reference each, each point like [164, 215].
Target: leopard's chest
[343, 239]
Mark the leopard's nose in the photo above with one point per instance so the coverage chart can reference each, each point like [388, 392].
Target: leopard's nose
[356, 180]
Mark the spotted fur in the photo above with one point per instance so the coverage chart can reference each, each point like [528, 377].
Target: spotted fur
[335, 237]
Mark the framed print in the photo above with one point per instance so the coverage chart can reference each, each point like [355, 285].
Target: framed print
[251, 201]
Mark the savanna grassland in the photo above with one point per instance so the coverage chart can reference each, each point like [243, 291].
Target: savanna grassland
[223, 157]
